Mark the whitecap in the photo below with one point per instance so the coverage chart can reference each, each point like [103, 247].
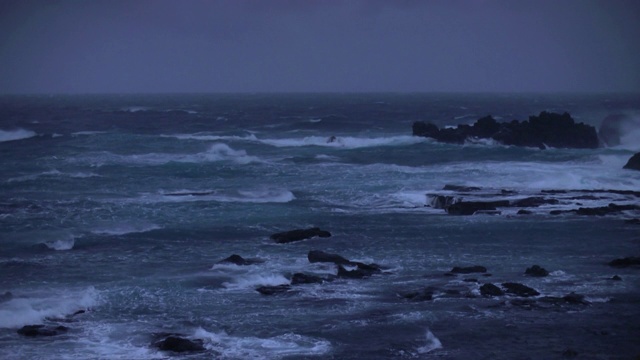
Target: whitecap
[210, 137]
[250, 347]
[61, 242]
[432, 343]
[347, 142]
[252, 281]
[33, 308]
[52, 173]
[17, 134]
[124, 228]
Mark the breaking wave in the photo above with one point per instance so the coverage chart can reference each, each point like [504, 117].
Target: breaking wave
[17, 134]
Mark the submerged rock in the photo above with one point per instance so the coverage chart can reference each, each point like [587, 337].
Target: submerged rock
[273, 289]
[633, 163]
[180, 344]
[420, 295]
[625, 262]
[469, 269]
[536, 271]
[519, 289]
[42, 330]
[316, 256]
[239, 260]
[471, 207]
[361, 271]
[299, 234]
[300, 278]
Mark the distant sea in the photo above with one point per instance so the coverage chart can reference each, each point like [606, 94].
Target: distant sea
[116, 210]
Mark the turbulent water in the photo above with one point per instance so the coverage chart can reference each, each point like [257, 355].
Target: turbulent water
[123, 206]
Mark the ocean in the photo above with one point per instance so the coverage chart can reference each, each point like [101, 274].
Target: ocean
[117, 210]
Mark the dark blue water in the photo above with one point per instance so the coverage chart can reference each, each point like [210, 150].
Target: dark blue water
[124, 205]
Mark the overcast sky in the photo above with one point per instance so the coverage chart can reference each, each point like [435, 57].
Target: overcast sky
[82, 46]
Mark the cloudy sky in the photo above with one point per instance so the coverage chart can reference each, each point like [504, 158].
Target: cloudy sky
[81, 46]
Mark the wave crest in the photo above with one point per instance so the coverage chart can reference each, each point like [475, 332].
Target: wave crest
[17, 134]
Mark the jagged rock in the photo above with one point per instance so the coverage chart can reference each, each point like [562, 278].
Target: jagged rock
[42, 330]
[524, 212]
[469, 269]
[489, 289]
[273, 289]
[239, 260]
[625, 262]
[633, 163]
[299, 234]
[519, 289]
[546, 129]
[180, 344]
[616, 278]
[315, 256]
[300, 278]
[536, 271]
[573, 298]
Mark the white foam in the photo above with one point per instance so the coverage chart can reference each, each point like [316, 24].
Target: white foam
[124, 228]
[61, 241]
[432, 343]
[17, 134]
[209, 137]
[28, 309]
[257, 196]
[252, 281]
[259, 348]
[53, 173]
[347, 142]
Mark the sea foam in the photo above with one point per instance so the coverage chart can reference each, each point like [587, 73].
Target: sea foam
[347, 142]
[17, 134]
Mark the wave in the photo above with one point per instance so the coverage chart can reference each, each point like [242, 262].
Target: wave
[17, 134]
[52, 173]
[432, 343]
[286, 345]
[253, 281]
[258, 196]
[124, 228]
[87, 133]
[28, 309]
[215, 153]
[346, 142]
[209, 137]
[61, 241]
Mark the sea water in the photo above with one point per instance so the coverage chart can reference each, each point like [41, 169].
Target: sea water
[124, 205]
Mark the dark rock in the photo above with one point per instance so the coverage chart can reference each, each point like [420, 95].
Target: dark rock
[421, 295]
[556, 212]
[315, 256]
[625, 262]
[537, 271]
[79, 312]
[273, 289]
[616, 278]
[633, 163]
[299, 234]
[239, 260]
[42, 330]
[300, 278]
[524, 212]
[469, 269]
[180, 344]
[470, 280]
[546, 129]
[470, 207]
[489, 289]
[519, 289]
[605, 210]
[576, 299]
[533, 201]
[361, 271]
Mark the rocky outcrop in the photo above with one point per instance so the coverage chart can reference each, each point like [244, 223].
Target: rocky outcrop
[471, 207]
[469, 269]
[42, 330]
[536, 271]
[300, 278]
[545, 130]
[625, 262]
[239, 260]
[299, 234]
[633, 163]
[179, 344]
[489, 289]
[519, 289]
[273, 289]
[316, 256]
[361, 271]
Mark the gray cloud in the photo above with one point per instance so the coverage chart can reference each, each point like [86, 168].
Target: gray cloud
[287, 45]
